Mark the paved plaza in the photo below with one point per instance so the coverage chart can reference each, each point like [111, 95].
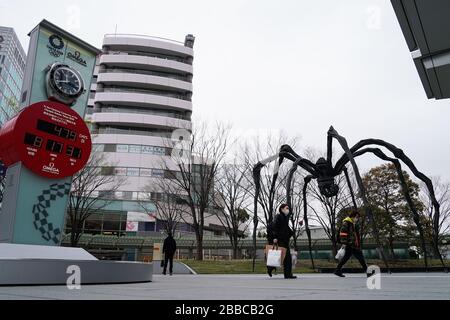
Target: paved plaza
[251, 287]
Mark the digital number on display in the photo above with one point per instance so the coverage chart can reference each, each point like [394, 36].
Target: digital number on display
[52, 146]
[56, 130]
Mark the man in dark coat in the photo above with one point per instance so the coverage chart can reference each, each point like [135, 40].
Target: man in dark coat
[282, 234]
[169, 249]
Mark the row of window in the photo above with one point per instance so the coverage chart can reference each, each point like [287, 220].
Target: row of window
[134, 172]
[164, 93]
[187, 60]
[134, 131]
[146, 72]
[157, 112]
[11, 74]
[132, 148]
[139, 172]
[128, 195]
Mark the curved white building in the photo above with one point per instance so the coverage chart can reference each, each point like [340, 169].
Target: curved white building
[142, 93]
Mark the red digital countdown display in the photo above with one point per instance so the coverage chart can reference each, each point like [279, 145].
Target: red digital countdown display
[49, 138]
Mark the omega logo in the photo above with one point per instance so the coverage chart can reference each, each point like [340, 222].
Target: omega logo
[76, 56]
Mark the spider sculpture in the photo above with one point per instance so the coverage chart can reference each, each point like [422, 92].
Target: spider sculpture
[325, 172]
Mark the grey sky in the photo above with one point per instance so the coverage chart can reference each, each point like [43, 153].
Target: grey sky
[295, 65]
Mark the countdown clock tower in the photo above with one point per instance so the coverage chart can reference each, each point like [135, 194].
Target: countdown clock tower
[48, 141]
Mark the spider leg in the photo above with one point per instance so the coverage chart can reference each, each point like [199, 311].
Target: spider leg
[305, 218]
[399, 154]
[349, 183]
[343, 142]
[380, 154]
[301, 162]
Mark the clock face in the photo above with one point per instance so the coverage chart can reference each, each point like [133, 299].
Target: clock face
[67, 81]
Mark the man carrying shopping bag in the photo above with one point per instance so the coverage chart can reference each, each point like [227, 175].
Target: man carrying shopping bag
[282, 234]
[275, 256]
[351, 244]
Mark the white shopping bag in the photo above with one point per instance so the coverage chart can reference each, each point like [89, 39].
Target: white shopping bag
[340, 254]
[274, 258]
[294, 255]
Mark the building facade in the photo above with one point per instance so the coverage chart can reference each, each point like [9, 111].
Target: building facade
[142, 94]
[12, 68]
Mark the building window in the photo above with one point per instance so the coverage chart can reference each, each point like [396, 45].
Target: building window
[98, 147]
[110, 148]
[146, 172]
[120, 171]
[107, 171]
[127, 195]
[158, 173]
[134, 149]
[106, 194]
[122, 148]
[133, 172]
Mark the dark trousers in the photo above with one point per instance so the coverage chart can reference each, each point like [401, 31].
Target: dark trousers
[168, 258]
[287, 265]
[349, 252]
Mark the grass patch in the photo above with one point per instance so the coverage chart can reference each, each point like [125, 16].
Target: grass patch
[303, 266]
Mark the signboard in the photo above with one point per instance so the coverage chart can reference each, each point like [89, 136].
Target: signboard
[140, 217]
[132, 226]
[133, 219]
[49, 138]
[157, 251]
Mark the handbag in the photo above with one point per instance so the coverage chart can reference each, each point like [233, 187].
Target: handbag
[274, 258]
[272, 247]
[162, 263]
[340, 254]
[294, 255]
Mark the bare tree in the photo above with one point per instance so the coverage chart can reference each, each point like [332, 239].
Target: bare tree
[252, 152]
[231, 194]
[442, 192]
[326, 213]
[297, 210]
[197, 157]
[169, 203]
[83, 198]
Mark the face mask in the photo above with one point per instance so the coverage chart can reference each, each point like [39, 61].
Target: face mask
[286, 211]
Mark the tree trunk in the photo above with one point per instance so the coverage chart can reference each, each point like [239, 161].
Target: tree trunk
[235, 252]
[199, 246]
[74, 235]
[391, 247]
[235, 245]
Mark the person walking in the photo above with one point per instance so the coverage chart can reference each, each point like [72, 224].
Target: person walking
[350, 239]
[282, 234]
[169, 249]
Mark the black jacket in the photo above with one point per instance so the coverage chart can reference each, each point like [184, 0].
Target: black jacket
[170, 246]
[281, 230]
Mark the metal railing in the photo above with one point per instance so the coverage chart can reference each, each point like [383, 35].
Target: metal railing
[145, 112]
[145, 72]
[141, 36]
[144, 91]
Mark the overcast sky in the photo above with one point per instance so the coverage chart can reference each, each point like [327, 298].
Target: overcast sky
[299, 66]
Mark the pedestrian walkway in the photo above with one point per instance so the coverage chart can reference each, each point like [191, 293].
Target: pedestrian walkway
[254, 287]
